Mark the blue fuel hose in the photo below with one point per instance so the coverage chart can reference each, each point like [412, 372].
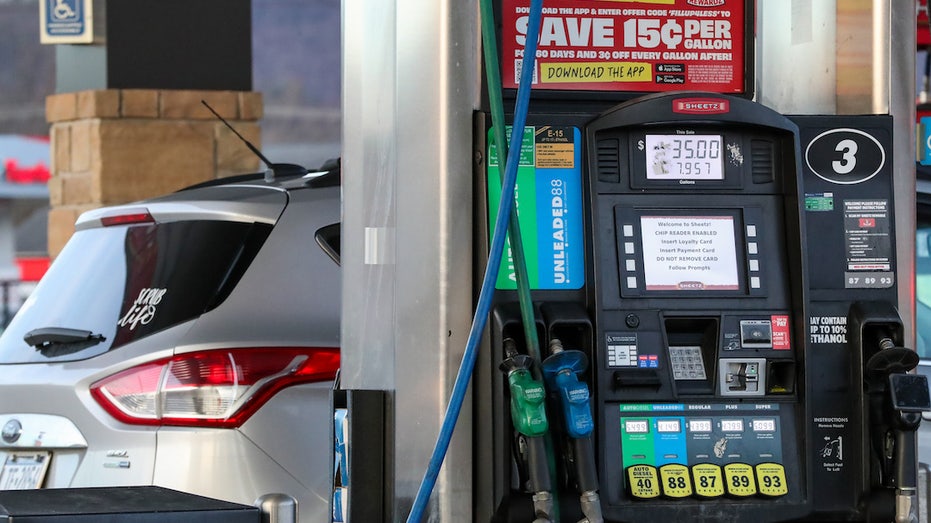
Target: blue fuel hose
[483, 308]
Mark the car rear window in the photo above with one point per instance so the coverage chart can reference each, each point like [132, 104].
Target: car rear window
[129, 282]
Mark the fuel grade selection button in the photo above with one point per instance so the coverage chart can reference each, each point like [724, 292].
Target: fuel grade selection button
[771, 478]
[643, 481]
[708, 480]
[675, 480]
[739, 479]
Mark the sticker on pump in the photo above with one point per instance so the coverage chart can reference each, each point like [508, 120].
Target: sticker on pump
[780, 323]
[739, 479]
[772, 479]
[675, 480]
[643, 481]
[709, 482]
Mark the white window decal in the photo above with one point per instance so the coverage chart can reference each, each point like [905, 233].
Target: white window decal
[143, 309]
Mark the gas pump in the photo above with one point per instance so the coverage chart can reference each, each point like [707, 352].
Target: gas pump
[746, 357]
[700, 309]
[738, 314]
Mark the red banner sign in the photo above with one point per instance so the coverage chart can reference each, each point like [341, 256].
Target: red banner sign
[628, 45]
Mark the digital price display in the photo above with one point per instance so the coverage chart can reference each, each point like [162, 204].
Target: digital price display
[732, 425]
[764, 425]
[700, 425]
[684, 157]
[636, 426]
[668, 425]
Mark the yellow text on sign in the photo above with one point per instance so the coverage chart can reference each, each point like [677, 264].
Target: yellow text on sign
[595, 72]
[709, 482]
[675, 480]
[739, 479]
[771, 478]
[643, 481]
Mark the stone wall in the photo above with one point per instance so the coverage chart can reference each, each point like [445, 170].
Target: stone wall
[117, 146]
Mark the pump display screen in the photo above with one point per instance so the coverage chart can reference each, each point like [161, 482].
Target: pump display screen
[684, 157]
[685, 253]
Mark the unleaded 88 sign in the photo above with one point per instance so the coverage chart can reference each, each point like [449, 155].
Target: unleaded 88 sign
[625, 45]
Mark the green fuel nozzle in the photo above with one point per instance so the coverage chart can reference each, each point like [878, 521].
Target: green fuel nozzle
[528, 406]
[528, 414]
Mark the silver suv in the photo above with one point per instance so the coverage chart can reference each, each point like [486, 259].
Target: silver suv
[188, 341]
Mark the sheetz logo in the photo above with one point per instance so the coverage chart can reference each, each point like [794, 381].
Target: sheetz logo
[700, 106]
[705, 3]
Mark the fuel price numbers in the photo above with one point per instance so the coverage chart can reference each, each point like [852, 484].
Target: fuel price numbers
[684, 157]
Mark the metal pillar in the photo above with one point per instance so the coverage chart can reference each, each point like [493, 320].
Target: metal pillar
[410, 84]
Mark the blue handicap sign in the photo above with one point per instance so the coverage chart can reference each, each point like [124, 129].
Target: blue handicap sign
[65, 17]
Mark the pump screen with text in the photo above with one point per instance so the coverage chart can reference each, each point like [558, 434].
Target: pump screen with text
[684, 157]
[683, 253]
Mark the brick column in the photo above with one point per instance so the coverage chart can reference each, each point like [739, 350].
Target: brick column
[116, 146]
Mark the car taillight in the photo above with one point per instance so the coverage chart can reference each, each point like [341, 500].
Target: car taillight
[215, 388]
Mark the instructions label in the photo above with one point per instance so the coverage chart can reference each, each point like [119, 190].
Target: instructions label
[629, 46]
[831, 430]
[689, 253]
[868, 241]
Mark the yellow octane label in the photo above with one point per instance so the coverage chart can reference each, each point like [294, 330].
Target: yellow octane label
[739, 479]
[675, 480]
[643, 481]
[709, 482]
[771, 478]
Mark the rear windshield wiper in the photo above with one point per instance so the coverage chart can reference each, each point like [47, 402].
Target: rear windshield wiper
[48, 337]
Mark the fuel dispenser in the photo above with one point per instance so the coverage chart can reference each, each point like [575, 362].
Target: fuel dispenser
[699, 308]
[734, 318]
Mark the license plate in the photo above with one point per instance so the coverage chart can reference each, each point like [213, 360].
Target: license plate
[24, 470]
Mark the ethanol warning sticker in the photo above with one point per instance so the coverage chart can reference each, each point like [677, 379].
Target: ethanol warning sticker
[633, 45]
[548, 199]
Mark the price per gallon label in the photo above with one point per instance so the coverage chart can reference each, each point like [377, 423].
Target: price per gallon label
[675, 481]
[643, 481]
[738, 477]
[771, 478]
[709, 482]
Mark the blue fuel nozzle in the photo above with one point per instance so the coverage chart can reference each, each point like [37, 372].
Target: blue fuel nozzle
[561, 372]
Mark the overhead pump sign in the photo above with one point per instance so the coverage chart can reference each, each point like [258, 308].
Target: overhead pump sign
[626, 45]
